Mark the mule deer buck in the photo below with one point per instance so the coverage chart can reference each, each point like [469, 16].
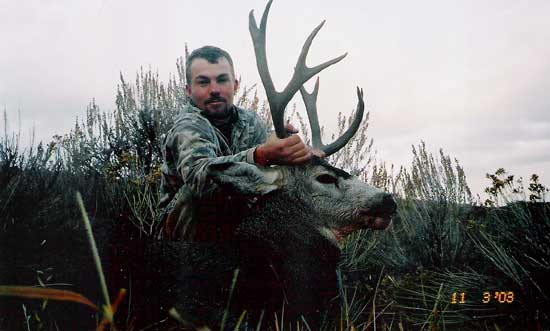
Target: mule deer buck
[289, 222]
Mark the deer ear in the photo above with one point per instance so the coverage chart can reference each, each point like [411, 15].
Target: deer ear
[246, 178]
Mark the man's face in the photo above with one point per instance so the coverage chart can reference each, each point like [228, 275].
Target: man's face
[212, 86]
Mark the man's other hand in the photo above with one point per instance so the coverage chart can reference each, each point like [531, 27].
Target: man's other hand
[288, 151]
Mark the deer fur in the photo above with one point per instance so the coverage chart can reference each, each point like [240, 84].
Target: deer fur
[281, 227]
[284, 247]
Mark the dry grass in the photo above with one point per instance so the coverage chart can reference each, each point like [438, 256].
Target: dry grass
[442, 241]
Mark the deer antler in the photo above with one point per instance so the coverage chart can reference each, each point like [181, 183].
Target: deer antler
[302, 73]
[310, 100]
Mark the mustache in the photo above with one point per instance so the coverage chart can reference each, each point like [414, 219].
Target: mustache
[215, 99]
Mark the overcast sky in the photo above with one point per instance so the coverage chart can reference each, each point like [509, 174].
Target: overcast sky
[471, 77]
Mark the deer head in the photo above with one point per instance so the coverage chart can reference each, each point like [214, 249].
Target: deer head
[339, 202]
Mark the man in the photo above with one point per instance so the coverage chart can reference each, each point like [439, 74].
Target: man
[212, 130]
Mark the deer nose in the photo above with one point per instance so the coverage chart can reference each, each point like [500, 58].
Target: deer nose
[385, 205]
[389, 203]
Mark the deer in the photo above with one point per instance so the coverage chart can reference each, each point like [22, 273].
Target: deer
[288, 224]
[300, 214]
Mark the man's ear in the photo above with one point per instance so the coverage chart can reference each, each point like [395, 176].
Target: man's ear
[246, 178]
[236, 86]
[188, 90]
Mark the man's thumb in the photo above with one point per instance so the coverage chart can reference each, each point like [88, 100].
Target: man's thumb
[290, 128]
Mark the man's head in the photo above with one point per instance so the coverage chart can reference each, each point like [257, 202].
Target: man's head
[211, 82]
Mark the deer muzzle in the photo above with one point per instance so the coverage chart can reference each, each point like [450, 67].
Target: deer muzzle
[378, 216]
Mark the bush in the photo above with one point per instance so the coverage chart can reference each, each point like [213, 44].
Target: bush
[442, 243]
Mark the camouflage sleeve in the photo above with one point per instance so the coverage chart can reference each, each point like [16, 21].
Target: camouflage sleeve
[260, 132]
[195, 146]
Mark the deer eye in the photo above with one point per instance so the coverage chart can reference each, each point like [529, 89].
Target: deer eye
[327, 179]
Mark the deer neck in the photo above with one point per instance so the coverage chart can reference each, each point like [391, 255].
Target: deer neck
[287, 225]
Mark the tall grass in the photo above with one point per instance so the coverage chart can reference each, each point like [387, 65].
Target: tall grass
[442, 240]
[516, 242]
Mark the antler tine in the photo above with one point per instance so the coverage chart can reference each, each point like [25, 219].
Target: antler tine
[258, 39]
[273, 97]
[343, 139]
[279, 100]
[302, 73]
[310, 100]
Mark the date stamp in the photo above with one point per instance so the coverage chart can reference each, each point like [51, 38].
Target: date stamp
[501, 297]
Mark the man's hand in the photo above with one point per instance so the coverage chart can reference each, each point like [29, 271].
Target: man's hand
[288, 151]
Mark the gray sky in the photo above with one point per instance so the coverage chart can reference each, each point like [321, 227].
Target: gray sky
[471, 77]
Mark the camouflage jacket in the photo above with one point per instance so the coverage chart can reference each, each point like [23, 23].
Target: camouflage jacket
[194, 143]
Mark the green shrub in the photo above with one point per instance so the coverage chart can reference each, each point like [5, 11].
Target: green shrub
[442, 242]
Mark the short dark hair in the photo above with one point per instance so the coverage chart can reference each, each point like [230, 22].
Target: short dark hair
[210, 54]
